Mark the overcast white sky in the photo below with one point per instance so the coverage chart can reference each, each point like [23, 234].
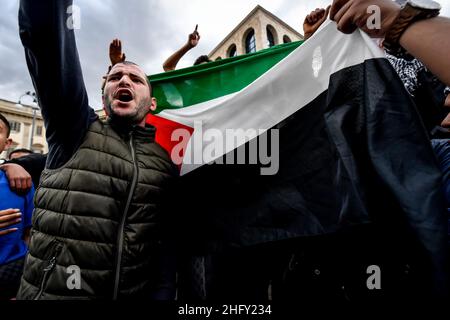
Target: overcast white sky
[150, 30]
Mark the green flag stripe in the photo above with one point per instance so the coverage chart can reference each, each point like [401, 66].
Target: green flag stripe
[189, 86]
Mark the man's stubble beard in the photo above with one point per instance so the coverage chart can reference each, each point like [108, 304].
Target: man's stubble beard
[135, 117]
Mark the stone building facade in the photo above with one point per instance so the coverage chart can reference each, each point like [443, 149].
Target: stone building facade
[20, 118]
[260, 29]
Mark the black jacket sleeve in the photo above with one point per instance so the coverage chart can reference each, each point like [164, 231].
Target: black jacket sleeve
[34, 164]
[54, 66]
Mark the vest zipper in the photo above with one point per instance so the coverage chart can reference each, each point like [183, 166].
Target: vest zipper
[124, 216]
[48, 269]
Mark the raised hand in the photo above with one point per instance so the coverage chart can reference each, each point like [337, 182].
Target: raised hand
[314, 20]
[115, 52]
[172, 61]
[193, 38]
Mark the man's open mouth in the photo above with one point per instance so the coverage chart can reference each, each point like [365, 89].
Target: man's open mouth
[124, 95]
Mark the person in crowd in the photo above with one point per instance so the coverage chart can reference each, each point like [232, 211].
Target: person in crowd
[193, 39]
[15, 225]
[413, 28]
[17, 153]
[23, 171]
[34, 163]
[100, 205]
[430, 95]
[428, 92]
[421, 32]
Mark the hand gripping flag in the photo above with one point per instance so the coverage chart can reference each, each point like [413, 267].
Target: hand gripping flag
[351, 148]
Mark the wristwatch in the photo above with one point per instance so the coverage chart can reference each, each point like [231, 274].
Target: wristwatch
[411, 11]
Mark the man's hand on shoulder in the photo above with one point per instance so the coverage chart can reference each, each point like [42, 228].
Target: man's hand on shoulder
[19, 179]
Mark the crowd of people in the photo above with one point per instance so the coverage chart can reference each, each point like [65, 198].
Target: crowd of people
[104, 187]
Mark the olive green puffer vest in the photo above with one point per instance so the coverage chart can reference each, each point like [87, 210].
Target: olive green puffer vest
[101, 212]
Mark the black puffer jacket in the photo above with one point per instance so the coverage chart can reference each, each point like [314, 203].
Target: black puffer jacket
[98, 208]
[101, 212]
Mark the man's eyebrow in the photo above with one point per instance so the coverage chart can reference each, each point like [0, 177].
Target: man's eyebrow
[136, 75]
[114, 73]
[131, 74]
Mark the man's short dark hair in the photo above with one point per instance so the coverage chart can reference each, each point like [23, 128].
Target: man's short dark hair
[201, 59]
[126, 63]
[21, 150]
[6, 122]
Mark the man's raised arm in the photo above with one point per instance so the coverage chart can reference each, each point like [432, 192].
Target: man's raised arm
[172, 61]
[427, 40]
[48, 37]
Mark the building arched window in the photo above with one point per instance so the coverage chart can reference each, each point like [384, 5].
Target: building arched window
[15, 126]
[271, 36]
[250, 41]
[232, 52]
[286, 39]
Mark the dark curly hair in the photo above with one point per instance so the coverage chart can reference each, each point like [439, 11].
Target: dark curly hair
[201, 59]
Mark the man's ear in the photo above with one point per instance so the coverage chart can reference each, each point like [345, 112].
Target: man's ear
[154, 104]
[8, 143]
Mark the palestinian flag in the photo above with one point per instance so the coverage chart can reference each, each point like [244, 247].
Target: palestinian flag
[349, 144]
[213, 95]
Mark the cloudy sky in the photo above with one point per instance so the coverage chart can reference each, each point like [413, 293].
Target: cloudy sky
[150, 30]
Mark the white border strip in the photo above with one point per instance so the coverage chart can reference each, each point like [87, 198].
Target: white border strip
[287, 87]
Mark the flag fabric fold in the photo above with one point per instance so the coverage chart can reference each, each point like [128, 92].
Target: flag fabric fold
[352, 147]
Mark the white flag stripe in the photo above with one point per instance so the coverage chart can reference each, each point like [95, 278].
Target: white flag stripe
[287, 87]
